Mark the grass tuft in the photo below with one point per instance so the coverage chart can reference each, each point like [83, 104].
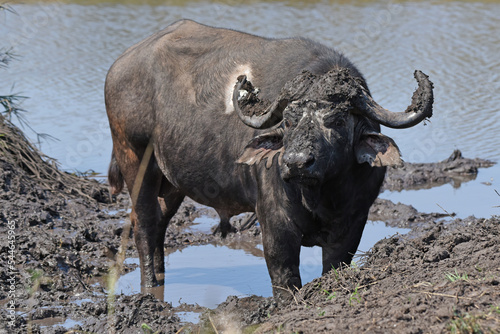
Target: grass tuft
[457, 277]
[330, 295]
[355, 297]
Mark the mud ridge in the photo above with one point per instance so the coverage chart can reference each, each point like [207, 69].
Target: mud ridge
[442, 277]
[455, 170]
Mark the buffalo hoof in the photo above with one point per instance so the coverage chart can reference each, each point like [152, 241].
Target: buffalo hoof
[223, 230]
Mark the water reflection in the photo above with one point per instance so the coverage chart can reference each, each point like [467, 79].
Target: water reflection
[225, 2]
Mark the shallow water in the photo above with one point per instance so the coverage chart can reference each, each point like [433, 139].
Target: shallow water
[474, 198]
[57, 321]
[207, 275]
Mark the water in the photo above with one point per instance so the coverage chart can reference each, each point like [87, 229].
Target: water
[65, 50]
[58, 321]
[207, 275]
[186, 317]
[476, 198]
[204, 224]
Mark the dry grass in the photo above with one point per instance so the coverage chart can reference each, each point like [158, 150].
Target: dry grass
[17, 150]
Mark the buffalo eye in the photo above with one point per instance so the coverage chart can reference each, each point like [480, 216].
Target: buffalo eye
[334, 122]
[288, 123]
[339, 123]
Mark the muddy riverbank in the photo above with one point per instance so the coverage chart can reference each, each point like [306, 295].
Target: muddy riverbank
[67, 234]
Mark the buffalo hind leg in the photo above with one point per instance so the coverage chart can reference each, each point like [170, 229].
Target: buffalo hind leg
[170, 199]
[143, 179]
[147, 214]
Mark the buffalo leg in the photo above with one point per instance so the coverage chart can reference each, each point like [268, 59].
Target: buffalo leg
[343, 248]
[143, 179]
[224, 226]
[170, 199]
[282, 253]
[147, 215]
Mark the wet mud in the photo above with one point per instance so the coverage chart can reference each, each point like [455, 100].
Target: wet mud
[440, 278]
[68, 236]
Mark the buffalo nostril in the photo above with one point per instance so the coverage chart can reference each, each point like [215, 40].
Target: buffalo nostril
[299, 160]
[310, 161]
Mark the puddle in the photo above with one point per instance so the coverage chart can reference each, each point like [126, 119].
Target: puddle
[192, 317]
[477, 198]
[79, 302]
[57, 321]
[207, 275]
[111, 212]
[114, 212]
[204, 224]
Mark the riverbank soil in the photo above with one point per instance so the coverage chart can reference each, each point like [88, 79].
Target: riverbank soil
[443, 278]
[64, 238]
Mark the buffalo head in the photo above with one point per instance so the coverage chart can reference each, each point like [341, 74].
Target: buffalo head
[323, 123]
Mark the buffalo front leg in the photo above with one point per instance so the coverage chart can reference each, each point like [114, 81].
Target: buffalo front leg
[343, 247]
[281, 242]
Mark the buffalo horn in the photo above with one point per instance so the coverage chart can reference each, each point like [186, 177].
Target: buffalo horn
[420, 108]
[271, 116]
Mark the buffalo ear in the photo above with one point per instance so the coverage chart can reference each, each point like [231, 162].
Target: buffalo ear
[265, 146]
[378, 150]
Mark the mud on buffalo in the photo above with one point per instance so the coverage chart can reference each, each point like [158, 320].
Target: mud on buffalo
[285, 128]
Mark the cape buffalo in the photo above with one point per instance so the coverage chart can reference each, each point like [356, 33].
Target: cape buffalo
[285, 128]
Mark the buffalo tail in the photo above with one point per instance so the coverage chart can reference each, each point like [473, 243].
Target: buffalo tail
[115, 177]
